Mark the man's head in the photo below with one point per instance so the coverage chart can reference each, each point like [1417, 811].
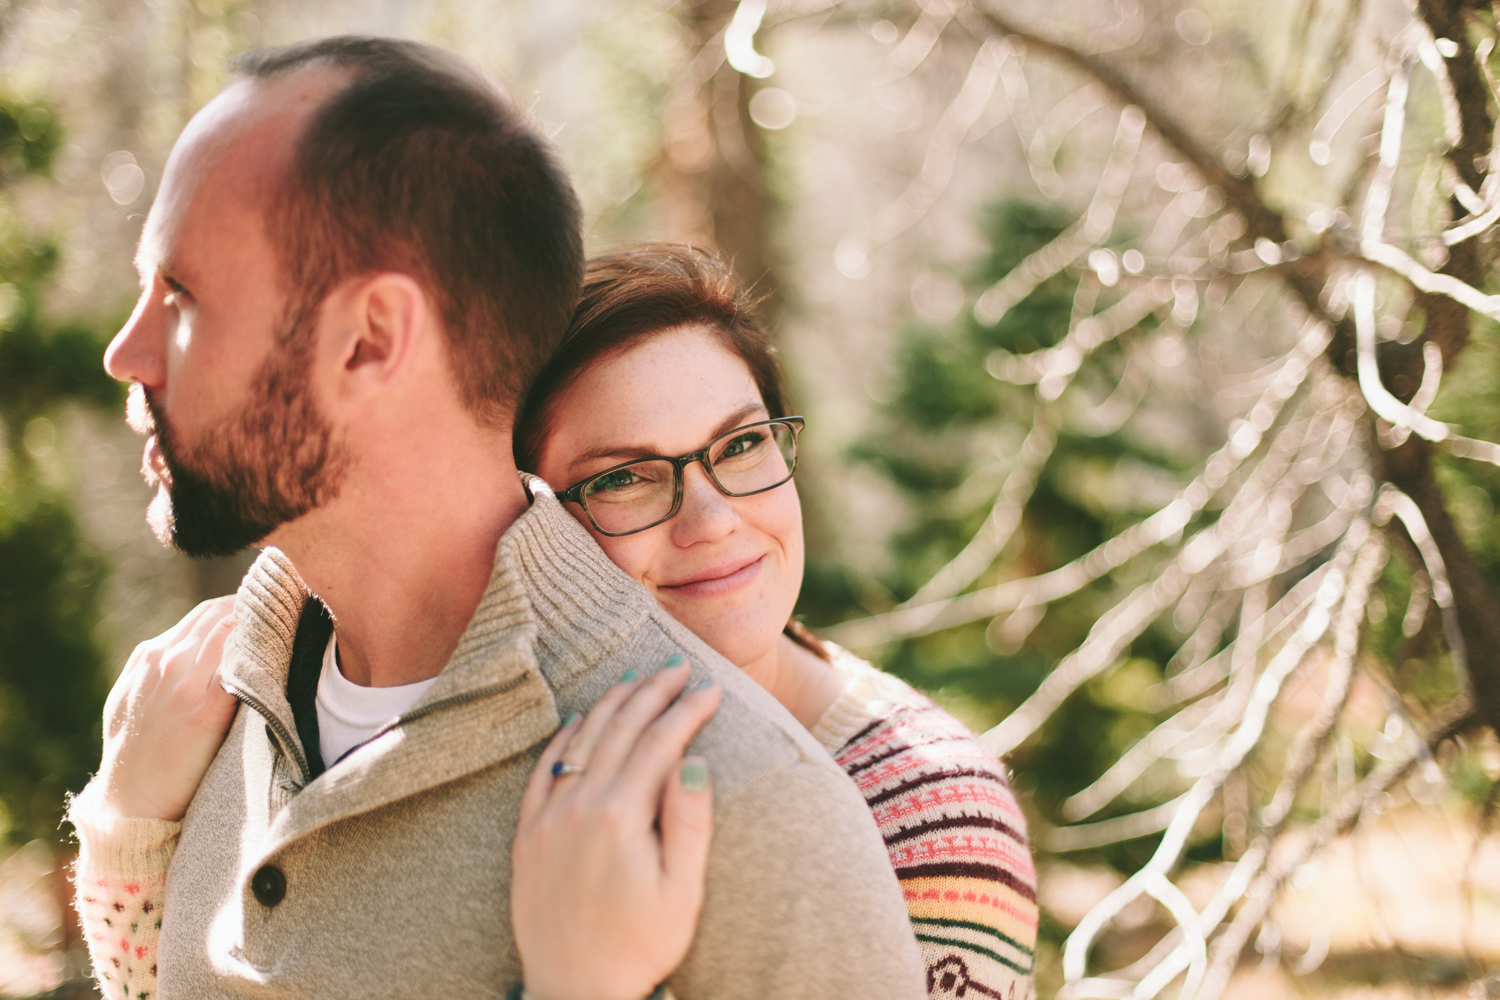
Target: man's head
[335, 200]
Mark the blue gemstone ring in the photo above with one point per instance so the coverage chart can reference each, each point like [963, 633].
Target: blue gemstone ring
[562, 767]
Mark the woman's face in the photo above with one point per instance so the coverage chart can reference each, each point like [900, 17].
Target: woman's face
[729, 568]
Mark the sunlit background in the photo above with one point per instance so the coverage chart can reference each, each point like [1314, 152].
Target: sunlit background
[1074, 297]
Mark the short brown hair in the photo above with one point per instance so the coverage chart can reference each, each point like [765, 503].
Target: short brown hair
[631, 294]
[422, 165]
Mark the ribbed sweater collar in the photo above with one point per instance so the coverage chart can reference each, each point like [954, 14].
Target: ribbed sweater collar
[552, 587]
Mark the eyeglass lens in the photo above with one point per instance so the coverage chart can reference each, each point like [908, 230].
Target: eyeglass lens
[746, 460]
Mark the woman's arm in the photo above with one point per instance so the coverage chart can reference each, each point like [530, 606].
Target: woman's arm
[610, 860]
[121, 881]
[163, 723]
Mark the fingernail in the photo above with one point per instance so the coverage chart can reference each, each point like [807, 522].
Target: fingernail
[675, 660]
[706, 682]
[630, 675]
[572, 718]
[694, 775]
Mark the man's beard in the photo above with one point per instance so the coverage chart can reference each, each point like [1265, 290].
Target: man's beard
[268, 465]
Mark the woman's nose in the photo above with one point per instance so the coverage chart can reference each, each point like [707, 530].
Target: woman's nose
[706, 514]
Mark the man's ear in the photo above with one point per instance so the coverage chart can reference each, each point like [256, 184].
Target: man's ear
[384, 319]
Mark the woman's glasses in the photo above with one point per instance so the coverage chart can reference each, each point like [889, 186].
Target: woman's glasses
[644, 493]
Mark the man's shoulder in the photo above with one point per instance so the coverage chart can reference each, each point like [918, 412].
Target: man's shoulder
[750, 735]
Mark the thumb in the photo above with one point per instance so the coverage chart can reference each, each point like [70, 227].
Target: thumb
[687, 826]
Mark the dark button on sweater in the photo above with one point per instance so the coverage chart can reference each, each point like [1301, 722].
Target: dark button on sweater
[269, 885]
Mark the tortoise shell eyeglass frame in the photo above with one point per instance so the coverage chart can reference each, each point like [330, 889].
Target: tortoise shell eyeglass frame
[578, 492]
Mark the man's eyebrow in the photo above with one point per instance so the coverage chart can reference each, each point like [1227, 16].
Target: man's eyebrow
[627, 452]
[152, 259]
[146, 260]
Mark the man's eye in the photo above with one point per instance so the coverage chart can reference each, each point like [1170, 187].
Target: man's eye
[176, 294]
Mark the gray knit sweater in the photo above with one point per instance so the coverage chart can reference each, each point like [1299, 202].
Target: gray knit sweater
[389, 874]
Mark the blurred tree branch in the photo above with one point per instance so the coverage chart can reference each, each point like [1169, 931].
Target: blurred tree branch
[1321, 437]
[1408, 466]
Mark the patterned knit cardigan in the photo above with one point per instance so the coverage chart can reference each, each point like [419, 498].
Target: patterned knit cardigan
[956, 837]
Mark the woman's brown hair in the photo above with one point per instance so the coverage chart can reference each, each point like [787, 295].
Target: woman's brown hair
[631, 294]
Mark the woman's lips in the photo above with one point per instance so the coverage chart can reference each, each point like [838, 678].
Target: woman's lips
[718, 580]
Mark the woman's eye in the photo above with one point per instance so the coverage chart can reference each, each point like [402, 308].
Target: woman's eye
[742, 443]
[617, 480]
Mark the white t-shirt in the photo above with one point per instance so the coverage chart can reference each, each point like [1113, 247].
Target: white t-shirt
[349, 713]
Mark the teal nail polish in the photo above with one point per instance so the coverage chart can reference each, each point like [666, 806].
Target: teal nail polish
[706, 682]
[675, 660]
[694, 776]
[630, 675]
[572, 718]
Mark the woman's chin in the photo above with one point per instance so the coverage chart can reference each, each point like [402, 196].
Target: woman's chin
[739, 641]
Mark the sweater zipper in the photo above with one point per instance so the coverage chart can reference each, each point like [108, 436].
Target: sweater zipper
[283, 735]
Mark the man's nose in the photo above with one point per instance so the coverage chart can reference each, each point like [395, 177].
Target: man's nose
[138, 352]
[706, 514]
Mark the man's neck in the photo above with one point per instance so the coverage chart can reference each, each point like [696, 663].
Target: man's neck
[402, 564]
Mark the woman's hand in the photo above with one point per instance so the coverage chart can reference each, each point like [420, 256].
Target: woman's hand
[608, 863]
[165, 718]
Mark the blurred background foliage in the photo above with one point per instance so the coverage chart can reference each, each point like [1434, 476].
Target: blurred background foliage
[53, 668]
[893, 165]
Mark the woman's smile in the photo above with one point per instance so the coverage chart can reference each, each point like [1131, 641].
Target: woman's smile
[716, 581]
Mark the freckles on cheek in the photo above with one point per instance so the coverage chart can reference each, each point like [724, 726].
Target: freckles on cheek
[629, 555]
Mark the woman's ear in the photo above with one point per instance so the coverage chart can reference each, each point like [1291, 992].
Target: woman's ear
[385, 318]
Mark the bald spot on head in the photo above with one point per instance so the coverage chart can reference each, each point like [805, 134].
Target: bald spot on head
[231, 159]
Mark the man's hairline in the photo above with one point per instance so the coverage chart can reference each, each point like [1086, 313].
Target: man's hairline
[151, 262]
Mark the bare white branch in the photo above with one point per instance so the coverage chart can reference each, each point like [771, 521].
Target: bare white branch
[1378, 197]
[1320, 149]
[947, 138]
[1084, 234]
[1351, 598]
[1164, 525]
[1406, 509]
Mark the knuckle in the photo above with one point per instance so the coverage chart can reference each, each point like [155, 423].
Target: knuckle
[656, 739]
[578, 749]
[576, 814]
[614, 815]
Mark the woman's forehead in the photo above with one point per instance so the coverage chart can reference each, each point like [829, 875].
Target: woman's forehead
[684, 370]
[671, 391]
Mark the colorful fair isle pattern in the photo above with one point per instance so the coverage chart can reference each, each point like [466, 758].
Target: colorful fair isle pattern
[121, 883]
[122, 921]
[956, 836]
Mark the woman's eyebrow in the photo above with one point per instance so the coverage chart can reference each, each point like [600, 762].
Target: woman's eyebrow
[626, 452]
[736, 418]
[611, 451]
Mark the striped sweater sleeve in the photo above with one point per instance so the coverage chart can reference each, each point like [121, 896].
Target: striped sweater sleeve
[955, 835]
[120, 882]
